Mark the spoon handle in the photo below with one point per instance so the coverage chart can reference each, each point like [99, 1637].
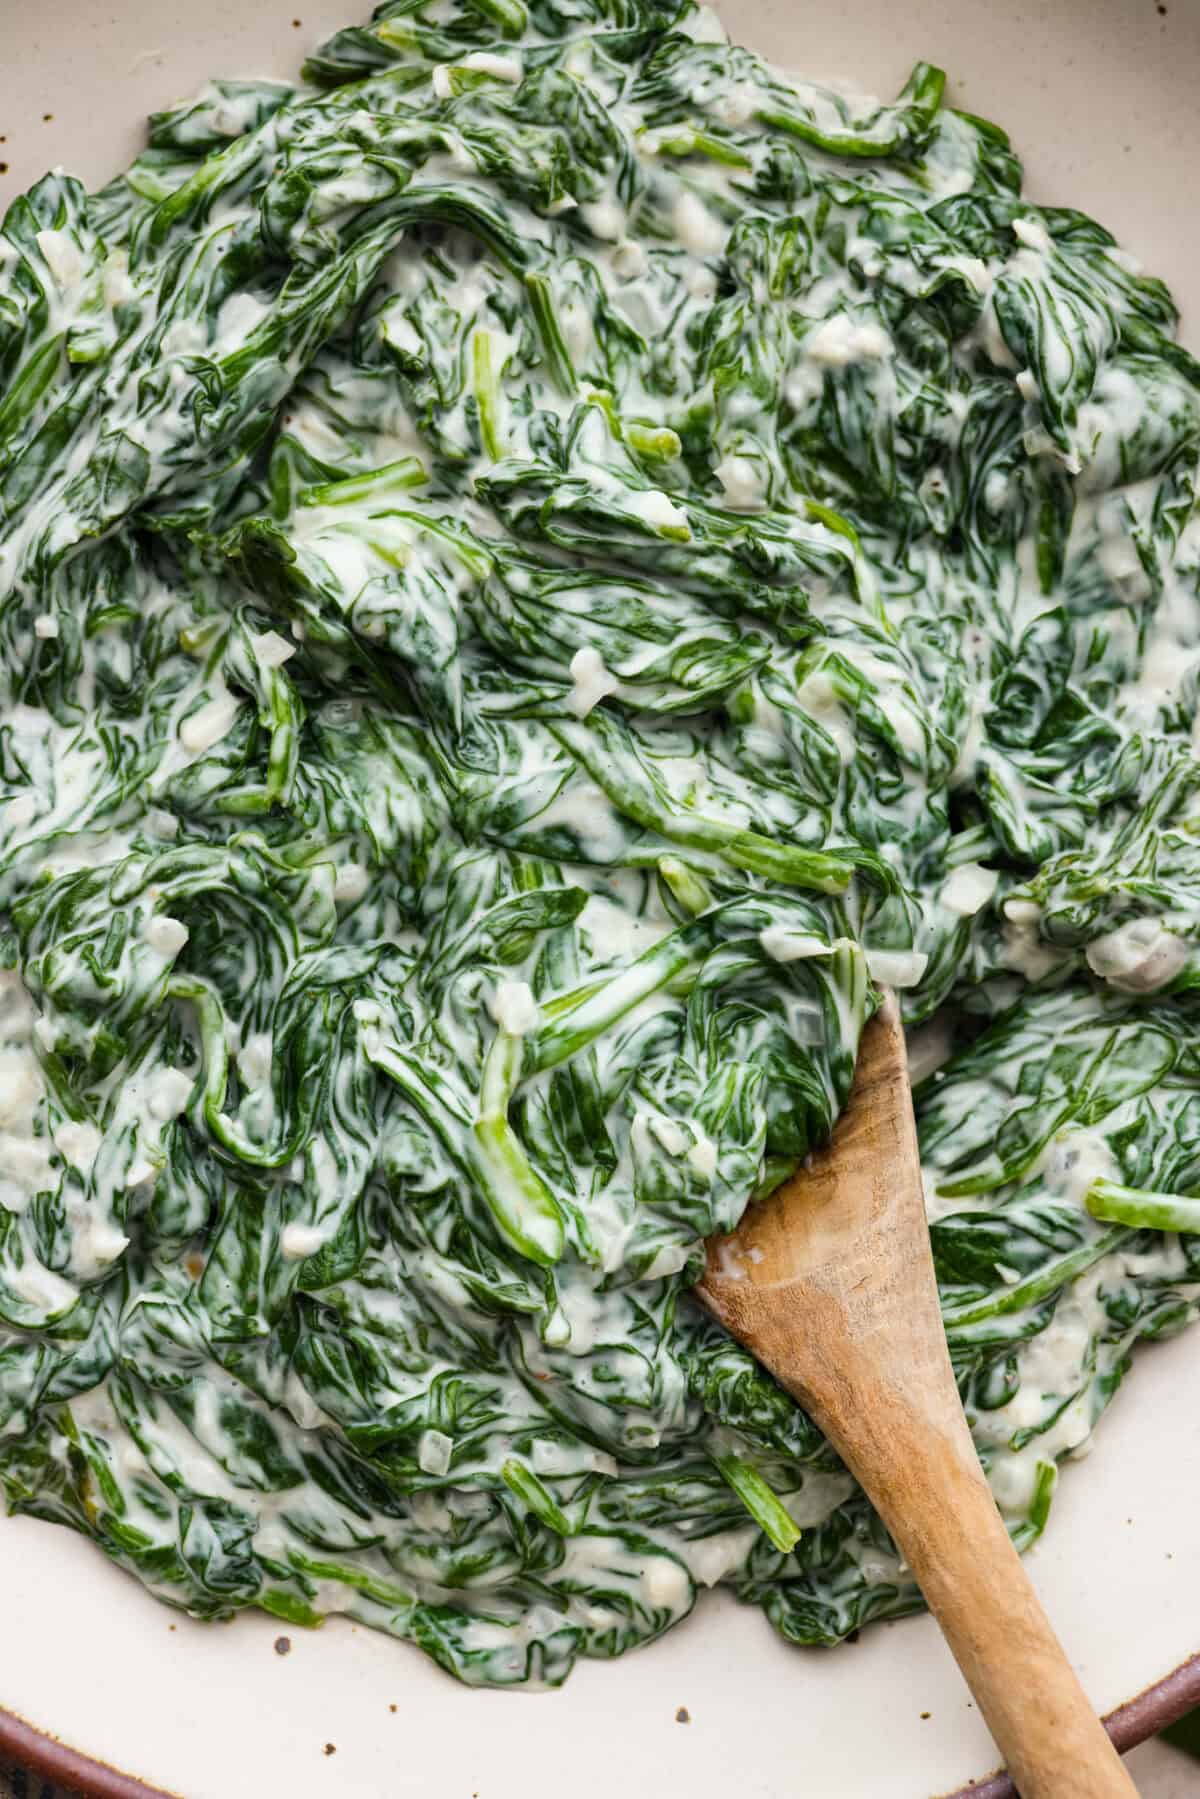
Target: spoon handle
[835, 1293]
[931, 1493]
[897, 1422]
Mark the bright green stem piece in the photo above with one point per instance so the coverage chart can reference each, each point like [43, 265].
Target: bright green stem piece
[1143, 1211]
[763, 1505]
[487, 392]
[536, 1496]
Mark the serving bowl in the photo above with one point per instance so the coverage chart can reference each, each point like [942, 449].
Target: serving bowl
[1098, 96]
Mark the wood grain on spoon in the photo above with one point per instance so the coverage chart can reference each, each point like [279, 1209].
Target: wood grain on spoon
[830, 1284]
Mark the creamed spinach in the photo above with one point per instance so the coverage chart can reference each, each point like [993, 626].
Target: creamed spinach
[537, 568]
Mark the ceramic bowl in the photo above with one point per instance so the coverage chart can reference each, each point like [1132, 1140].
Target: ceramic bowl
[1099, 96]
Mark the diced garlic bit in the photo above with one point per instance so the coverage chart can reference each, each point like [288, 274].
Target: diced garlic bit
[45, 625]
[162, 824]
[842, 341]
[593, 682]
[254, 1059]
[1139, 956]
[168, 1093]
[1032, 233]
[672, 1136]
[968, 888]
[702, 1156]
[209, 724]
[785, 945]
[226, 121]
[165, 935]
[515, 1009]
[434, 1450]
[557, 1331]
[629, 260]
[742, 484]
[402, 335]
[656, 509]
[270, 649]
[299, 1241]
[503, 68]
[666, 1261]
[79, 1143]
[351, 882]
[63, 256]
[712, 1558]
[606, 219]
[896, 968]
[665, 1584]
[103, 1243]
[1024, 949]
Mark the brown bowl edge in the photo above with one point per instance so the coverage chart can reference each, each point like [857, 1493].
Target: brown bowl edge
[1144, 1716]
[1150, 1711]
[56, 1761]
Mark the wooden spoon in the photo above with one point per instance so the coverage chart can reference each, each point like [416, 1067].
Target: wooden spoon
[830, 1284]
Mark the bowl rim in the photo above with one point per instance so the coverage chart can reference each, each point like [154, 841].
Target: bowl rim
[1153, 1709]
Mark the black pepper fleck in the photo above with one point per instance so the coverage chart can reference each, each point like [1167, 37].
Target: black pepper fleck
[283, 1645]
[3, 168]
[331, 1749]
[926, 1714]
[393, 1708]
[683, 1715]
[46, 117]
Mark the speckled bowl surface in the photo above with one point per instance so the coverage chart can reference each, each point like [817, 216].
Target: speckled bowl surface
[1099, 96]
